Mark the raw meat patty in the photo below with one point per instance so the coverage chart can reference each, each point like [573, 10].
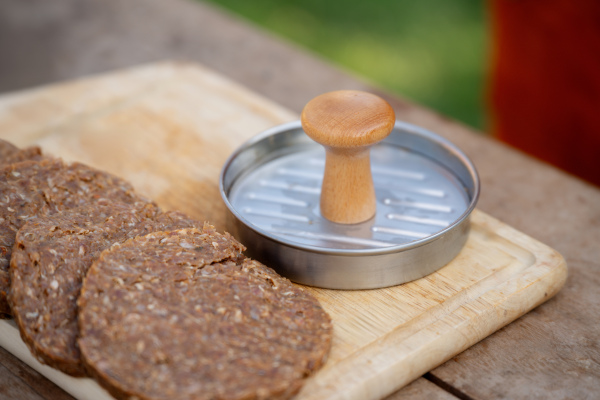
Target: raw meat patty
[6, 150]
[10, 154]
[173, 315]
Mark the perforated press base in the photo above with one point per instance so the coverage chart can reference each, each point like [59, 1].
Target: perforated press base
[415, 198]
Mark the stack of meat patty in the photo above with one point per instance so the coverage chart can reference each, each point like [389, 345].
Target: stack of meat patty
[151, 303]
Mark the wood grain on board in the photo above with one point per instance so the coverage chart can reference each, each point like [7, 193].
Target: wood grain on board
[168, 128]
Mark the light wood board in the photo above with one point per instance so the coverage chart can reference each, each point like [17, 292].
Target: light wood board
[168, 128]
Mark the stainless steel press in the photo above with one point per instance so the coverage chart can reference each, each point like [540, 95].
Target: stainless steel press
[425, 190]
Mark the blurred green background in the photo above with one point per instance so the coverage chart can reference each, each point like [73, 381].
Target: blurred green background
[431, 51]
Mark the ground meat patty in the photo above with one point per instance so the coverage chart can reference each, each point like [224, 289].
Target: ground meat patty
[161, 317]
[27, 154]
[37, 188]
[51, 257]
[10, 154]
[6, 149]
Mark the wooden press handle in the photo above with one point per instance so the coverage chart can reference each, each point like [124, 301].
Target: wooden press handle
[347, 123]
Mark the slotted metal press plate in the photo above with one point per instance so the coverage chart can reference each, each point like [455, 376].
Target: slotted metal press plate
[415, 198]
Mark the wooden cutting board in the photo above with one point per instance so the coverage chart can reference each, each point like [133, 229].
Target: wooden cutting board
[168, 128]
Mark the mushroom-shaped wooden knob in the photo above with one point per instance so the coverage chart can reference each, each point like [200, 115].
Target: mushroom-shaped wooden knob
[347, 123]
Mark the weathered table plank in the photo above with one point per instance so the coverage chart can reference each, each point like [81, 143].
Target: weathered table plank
[18, 381]
[421, 389]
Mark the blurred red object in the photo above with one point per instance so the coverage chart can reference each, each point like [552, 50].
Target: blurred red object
[545, 88]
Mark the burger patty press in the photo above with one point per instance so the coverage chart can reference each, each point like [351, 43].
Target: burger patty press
[374, 203]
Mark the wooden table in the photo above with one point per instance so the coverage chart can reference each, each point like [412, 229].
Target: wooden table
[552, 352]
